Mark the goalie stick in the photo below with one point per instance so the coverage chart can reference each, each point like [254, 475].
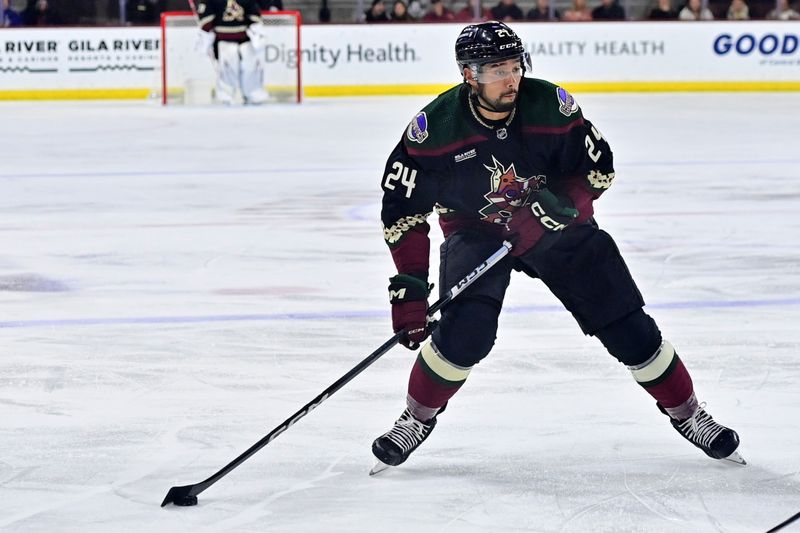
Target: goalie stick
[186, 495]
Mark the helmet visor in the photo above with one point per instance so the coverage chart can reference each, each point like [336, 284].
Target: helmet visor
[513, 68]
[493, 73]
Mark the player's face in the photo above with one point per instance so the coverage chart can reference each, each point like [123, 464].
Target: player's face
[497, 84]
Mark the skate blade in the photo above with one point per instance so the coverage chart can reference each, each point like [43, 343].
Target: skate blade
[379, 467]
[736, 458]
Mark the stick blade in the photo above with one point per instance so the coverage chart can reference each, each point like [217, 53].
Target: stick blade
[181, 496]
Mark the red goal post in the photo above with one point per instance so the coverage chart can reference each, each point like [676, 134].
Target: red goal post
[187, 73]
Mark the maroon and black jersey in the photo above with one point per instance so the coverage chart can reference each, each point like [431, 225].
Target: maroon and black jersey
[229, 19]
[477, 173]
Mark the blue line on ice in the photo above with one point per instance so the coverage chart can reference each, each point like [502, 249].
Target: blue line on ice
[340, 315]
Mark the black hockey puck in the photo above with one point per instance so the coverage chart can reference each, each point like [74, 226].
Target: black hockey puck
[186, 501]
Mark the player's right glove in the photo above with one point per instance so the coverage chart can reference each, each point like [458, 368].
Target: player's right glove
[205, 42]
[409, 298]
[530, 226]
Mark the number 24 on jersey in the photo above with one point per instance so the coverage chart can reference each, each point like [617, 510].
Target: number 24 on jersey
[401, 173]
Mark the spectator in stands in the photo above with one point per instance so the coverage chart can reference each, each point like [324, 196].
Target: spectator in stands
[474, 11]
[541, 11]
[663, 11]
[507, 10]
[399, 12]
[39, 13]
[377, 12]
[608, 10]
[579, 12]
[695, 10]
[140, 12]
[273, 5]
[324, 12]
[738, 10]
[784, 12]
[9, 18]
[438, 13]
[415, 9]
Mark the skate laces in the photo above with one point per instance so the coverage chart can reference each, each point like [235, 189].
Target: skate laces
[700, 427]
[407, 432]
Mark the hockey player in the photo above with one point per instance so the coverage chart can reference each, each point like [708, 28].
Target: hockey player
[504, 157]
[231, 31]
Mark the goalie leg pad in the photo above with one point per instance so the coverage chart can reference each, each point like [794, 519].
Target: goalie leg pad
[252, 74]
[228, 71]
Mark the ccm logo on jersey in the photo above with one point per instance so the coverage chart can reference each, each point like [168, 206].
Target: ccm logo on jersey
[418, 129]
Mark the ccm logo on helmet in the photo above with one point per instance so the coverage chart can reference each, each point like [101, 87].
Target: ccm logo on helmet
[747, 43]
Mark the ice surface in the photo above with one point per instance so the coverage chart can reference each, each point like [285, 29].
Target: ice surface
[176, 282]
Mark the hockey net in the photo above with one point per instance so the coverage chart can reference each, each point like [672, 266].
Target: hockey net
[189, 76]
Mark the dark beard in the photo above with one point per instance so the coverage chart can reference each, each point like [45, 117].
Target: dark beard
[498, 106]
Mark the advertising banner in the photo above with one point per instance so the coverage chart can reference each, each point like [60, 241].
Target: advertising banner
[594, 56]
[352, 59]
[79, 62]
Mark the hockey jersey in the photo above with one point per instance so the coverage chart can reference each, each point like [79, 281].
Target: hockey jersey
[477, 173]
[229, 19]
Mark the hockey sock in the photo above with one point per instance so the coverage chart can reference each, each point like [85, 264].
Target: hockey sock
[433, 381]
[665, 378]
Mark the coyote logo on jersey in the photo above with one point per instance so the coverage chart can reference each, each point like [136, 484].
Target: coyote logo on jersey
[507, 191]
[233, 12]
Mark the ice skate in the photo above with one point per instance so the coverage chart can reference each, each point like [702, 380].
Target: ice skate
[393, 447]
[716, 440]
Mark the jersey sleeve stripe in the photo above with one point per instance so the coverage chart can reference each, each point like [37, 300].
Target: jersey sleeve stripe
[554, 130]
[416, 151]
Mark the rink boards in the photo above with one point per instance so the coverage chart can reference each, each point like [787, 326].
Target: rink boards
[353, 60]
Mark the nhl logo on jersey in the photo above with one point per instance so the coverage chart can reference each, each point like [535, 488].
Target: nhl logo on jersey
[418, 129]
[567, 104]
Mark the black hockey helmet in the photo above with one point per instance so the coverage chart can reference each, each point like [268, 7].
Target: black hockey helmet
[489, 42]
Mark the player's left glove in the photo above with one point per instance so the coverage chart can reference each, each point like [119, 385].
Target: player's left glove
[409, 298]
[255, 32]
[532, 225]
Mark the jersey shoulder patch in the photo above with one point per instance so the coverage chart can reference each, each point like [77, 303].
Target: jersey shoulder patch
[566, 103]
[438, 125]
[417, 130]
[547, 105]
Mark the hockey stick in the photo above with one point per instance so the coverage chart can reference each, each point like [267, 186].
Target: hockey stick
[186, 495]
[784, 523]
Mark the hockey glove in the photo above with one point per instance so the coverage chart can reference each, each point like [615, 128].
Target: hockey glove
[531, 226]
[255, 32]
[409, 298]
[205, 43]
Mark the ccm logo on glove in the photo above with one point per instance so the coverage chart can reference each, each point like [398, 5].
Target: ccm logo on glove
[409, 298]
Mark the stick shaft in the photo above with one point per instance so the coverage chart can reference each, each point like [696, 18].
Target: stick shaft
[194, 490]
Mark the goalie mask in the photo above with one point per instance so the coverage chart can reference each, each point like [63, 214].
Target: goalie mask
[490, 42]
